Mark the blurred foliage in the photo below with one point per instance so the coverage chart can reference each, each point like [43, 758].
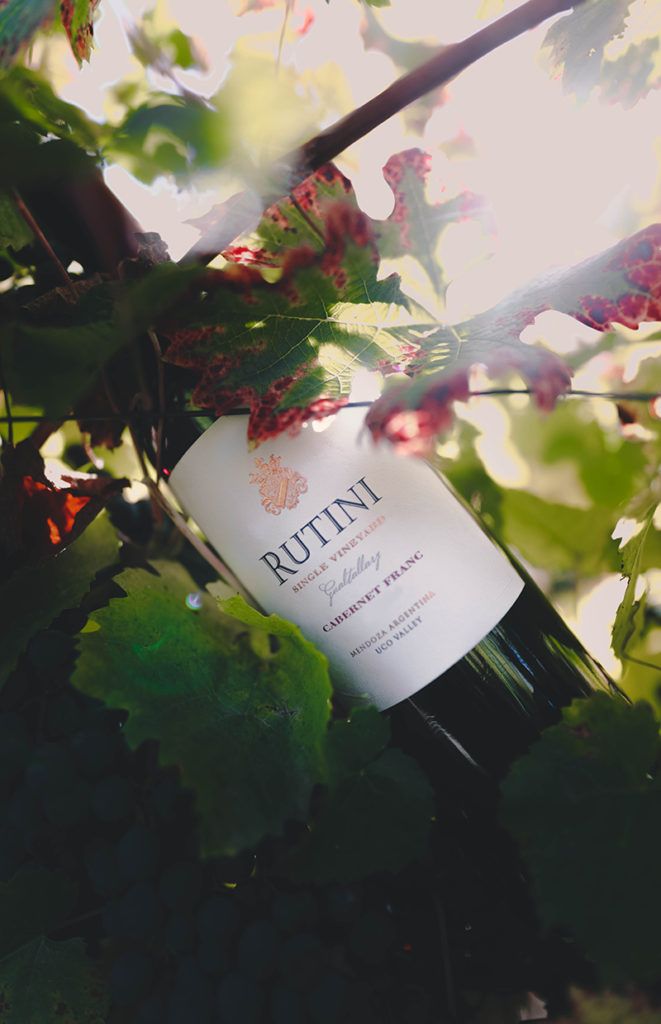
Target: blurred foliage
[581, 46]
[597, 773]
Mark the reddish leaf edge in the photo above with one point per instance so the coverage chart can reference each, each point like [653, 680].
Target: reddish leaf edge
[413, 413]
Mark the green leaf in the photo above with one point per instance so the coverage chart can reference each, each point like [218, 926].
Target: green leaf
[19, 20]
[558, 537]
[629, 614]
[14, 231]
[56, 348]
[608, 1008]
[36, 594]
[170, 135]
[577, 42]
[630, 77]
[33, 901]
[376, 814]
[47, 982]
[26, 96]
[607, 467]
[584, 805]
[243, 716]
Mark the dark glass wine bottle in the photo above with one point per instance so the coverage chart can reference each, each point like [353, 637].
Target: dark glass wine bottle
[392, 575]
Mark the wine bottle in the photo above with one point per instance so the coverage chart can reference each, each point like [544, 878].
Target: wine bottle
[386, 569]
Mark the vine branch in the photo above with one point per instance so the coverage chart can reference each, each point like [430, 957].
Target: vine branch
[29, 219]
[296, 166]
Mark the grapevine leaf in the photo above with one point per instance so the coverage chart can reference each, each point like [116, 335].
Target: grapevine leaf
[577, 42]
[170, 135]
[621, 285]
[628, 616]
[77, 18]
[406, 55]
[45, 982]
[19, 20]
[376, 813]
[26, 96]
[608, 1008]
[609, 469]
[33, 901]
[58, 344]
[634, 74]
[263, 343]
[162, 48]
[36, 594]
[592, 845]
[244, 717]
[558, 537]
[14, 231]
[415, 225]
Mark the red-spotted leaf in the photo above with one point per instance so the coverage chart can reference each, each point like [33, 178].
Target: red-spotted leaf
[38, 518]
[287, 348]
[416, 225]
[77, 18]
[621, 285]
[300, 306]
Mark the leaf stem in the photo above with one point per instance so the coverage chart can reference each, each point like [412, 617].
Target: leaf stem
[296, 166]
[161, 400]
[29, 219]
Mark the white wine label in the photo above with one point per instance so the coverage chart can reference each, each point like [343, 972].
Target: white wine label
[368, 552]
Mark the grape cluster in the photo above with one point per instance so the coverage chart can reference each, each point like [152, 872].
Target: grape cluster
[184, 939]
[228, 941]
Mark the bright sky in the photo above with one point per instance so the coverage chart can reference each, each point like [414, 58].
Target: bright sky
[564, 179]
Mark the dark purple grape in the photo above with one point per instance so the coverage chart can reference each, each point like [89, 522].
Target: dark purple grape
[112, 799]
[102, 868]
[151, 1010]
[302, 958]
[294, 911]
[218, 918]
[343, 903]
[287, 1006]
[258, 949]
[328, 1000]
[131, 977]
[63, 716]
[372, 937]
[51, 769]
[138, 853]
[96, 751]
[70, 806]
[180, 933]
[138, 910]
[181, 885]
[239, 999]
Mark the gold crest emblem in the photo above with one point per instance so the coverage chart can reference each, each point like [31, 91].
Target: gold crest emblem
[279, 486]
